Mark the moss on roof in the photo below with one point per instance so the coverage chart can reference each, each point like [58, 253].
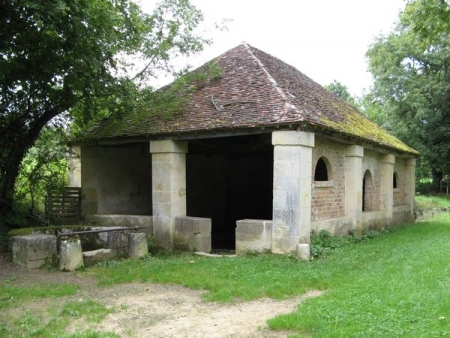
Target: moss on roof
[253, 89]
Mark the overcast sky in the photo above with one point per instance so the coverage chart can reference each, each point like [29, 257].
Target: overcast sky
[326, 40]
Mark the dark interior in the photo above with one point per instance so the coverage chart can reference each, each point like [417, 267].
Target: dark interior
[229, 179]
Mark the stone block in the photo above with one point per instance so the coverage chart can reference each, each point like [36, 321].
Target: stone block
[90, 258]
[137, 245]
[303, 251]
[70, 255]
[118, 243]
[293, 138]
[192, 233]
[253, 236]
[33, 251]
[168, 146]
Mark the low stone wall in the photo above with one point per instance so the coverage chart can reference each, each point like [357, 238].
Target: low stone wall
[336, 226]
[423, 215]
[192, 233]
[253, 236]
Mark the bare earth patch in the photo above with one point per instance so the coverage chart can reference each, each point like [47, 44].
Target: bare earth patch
[152, 310]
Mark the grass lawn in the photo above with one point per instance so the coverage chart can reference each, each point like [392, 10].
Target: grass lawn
[397, 284]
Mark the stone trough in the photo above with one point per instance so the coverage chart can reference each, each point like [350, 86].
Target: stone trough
[33, 251]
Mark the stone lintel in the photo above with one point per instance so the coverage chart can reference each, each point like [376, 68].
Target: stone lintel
[293, 138]
[390, 159]
[354, 151]
[168, 146]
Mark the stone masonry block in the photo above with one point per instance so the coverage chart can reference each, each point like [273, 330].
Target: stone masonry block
[253, 236]
[300, 138]
[32, 251]
[90, 258]
[118, 242]
[168, 146]
[192, 225]
[193, 233]
[70, 255]
[137, 245]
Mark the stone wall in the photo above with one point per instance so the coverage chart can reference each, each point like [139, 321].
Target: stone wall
[399, 192]
[371, 162]
[328, 197]
[116, 179]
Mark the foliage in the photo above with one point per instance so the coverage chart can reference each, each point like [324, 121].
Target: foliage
[342, 91]
[58, 56]
[412, 81]
[44, 167]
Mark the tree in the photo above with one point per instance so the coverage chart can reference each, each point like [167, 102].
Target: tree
[342, 91]
[61, 56]
[412, 81]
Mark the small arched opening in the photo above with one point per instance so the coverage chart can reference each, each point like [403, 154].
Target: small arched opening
[322, 171]
[395, 181]
[367, 191]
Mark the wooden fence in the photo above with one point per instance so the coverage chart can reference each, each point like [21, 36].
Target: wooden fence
[65, 205]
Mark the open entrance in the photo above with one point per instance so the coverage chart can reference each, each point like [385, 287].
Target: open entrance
[229, 179]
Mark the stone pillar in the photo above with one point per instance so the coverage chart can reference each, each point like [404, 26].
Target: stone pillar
[292, 180]
[387, 186]
[168, 187]
[353, 185]
[75, 167]
[410, 184]
[137, 245]
[70, 255]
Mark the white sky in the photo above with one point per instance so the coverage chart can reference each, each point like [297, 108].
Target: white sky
[326, 40]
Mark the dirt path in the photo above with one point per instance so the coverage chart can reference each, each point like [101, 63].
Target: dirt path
[152, 310]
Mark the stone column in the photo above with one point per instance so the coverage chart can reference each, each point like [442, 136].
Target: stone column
[292, 175]
[168, 187]
[353, 185]
[410, 184]
[387, 186]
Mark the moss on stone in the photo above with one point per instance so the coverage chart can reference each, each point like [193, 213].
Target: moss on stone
[356, 124]
[51, 230]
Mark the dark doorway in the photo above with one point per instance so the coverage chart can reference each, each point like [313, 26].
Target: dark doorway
[229, 179]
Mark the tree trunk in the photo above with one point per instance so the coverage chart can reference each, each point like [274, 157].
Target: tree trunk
[21, 141]
[437, 178]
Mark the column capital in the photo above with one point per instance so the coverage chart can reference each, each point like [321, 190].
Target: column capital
[354, 151]
[168, 146]
[389, 158]
[293, 138]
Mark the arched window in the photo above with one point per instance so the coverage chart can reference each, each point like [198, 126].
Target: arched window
[367, 191]
[322, 172]
[395, 181]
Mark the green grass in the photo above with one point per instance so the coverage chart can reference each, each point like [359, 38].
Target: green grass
[427, 202]
[397, 284]
[54, 321]
[11, 294]
[18, 320]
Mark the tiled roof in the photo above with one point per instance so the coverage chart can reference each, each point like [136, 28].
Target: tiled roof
[254, 90]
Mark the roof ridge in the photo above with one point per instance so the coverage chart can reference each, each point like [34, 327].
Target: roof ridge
[288, 103]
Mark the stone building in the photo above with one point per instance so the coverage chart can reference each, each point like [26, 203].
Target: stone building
[257, 158]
